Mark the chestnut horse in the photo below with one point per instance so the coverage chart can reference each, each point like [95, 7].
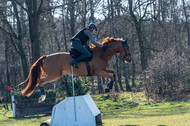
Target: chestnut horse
[51, 67]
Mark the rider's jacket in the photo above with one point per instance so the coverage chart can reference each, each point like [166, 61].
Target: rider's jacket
[81, 36]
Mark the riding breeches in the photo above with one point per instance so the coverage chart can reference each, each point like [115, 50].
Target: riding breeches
[77, 45]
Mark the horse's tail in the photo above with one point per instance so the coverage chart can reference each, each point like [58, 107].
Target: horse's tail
[36, 72]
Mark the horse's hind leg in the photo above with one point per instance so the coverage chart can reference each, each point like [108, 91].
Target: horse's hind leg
[43, 81]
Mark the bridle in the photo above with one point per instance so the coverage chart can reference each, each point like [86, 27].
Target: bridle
[125, 47]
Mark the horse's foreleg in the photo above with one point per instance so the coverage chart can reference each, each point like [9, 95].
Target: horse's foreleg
[109, 74]
[113, 72]
[43, 81]
[110, 85]
[105, 74]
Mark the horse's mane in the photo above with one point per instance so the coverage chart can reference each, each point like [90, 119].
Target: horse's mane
[108, 40]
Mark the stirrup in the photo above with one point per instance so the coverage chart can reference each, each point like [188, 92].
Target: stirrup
[74, 64]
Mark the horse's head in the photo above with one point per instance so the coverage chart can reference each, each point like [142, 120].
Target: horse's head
[125, 51]
[118, 46]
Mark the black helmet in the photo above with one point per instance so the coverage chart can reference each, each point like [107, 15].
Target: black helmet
[92, 25]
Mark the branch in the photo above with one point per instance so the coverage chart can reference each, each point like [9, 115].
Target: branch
[138, 5]
[40, 8]
[14, 45]
[145, 11]
[4, 30]
[8, 33]
[12, 33]
[18, 20]
[19, 4]
[55, 7]
[131, 11]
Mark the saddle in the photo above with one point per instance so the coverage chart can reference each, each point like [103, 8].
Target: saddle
[75, 54]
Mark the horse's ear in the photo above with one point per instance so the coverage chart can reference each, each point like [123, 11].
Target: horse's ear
[126, 40]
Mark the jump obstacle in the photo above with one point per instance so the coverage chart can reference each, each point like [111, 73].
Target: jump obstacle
[22, 108]
[75, 111]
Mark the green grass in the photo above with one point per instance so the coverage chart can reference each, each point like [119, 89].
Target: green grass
[127, 109]
[133, 109]
[27, 121]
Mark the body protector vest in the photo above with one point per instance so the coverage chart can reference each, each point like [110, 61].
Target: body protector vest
[81, 36]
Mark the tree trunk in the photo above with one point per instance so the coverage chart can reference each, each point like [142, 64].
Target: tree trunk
[64, 29]
[128, 88]
[92, 11]
[5, 85]
[84, 14]
[93, 85]
[133, 66]
[71, 9]
[116, 67]
[163, 10]
[113, 24]
[133, 73]
[100, 86]
[119, 67]
[20, 43]
[6, 61]
[144, 62]
[187, 22]
[34, 12]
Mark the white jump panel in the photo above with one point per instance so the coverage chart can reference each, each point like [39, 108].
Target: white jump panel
[63, 113]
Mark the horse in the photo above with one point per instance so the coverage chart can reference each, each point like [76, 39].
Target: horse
[49, 68]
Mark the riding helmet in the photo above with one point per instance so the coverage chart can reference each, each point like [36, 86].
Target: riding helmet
[92, 25]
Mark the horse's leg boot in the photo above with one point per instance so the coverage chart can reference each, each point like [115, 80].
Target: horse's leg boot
[111, 84]
[107, 90]
[42, 90]
[42, 98]
[43, 95]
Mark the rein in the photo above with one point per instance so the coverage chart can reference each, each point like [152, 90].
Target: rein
[104, 50]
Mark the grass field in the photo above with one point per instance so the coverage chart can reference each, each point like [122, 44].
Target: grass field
[127, 109]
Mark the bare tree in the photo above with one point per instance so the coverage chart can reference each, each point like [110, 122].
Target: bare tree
[186, 21]
[138, 26]
[18, 35]
[71, 9]
[92, 19]
[34, 9]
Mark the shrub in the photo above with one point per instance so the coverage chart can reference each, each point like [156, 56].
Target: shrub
[167, 73]
[81, 87]
[36, 94]
[33, 99]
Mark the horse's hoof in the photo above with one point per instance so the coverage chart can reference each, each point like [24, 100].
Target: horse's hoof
[107, 90]
[42, 98]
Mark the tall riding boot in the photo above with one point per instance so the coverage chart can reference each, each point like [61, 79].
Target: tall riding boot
[74, 62]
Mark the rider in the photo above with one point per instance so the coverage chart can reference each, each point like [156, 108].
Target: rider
[79, 41]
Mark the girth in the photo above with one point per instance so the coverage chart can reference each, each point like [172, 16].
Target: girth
[88, 68]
